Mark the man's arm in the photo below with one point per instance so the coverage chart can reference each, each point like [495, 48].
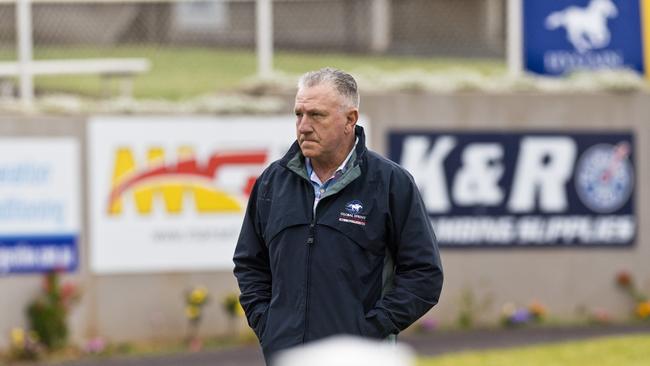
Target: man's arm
[252, 268]
[418, 271]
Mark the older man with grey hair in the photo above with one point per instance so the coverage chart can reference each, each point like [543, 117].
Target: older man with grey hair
[336, 238]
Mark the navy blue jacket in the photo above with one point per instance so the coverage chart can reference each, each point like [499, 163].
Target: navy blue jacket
[366, 263]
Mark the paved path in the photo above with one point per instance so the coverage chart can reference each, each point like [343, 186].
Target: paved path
[436, 343]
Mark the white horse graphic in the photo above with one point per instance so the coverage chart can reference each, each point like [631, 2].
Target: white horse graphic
[355, 207]
[586, 27]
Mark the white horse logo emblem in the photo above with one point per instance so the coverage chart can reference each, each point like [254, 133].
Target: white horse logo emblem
[354, 207]
[586, 28]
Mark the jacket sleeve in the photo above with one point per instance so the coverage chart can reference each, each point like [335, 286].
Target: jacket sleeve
[252, 268]
[418, 276]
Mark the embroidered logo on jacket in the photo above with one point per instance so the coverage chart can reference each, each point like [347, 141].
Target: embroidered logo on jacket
[354, 207]
[352, 216]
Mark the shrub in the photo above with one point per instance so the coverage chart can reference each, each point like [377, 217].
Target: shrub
[47, 314]
[231, 306]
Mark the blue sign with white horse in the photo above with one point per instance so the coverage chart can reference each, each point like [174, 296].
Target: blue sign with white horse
[562, 36]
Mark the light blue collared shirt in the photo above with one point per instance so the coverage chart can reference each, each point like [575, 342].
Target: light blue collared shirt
[319, 187]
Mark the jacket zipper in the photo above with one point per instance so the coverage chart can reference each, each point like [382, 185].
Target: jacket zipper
[310, 243]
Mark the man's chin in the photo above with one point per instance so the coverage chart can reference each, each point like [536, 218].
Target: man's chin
[307, 151]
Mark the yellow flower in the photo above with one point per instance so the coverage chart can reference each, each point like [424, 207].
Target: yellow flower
[198, 295]
[239, 310]
[18, 337]
[643, 309]
[192, 312]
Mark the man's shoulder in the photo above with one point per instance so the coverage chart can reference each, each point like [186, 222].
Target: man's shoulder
[273, 170]
[387, 167]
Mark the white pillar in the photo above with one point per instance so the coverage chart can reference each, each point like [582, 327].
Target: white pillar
[380, 25]
[264, 39]
[25, 50]
[515, 40]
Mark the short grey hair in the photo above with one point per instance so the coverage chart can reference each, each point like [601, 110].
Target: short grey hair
[343, 82]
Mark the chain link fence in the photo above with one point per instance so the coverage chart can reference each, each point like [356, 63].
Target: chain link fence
[159, 29]
[420, 27]
[7, 32]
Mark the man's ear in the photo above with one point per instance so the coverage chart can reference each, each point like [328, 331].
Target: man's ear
[351, 120]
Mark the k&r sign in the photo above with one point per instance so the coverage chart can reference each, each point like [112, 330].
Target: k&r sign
[533, 189]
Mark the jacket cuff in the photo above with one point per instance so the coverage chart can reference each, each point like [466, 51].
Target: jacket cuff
[380, 324]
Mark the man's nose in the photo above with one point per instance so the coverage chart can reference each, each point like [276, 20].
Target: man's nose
[304, 125]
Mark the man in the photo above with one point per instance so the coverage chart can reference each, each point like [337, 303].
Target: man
[336, 239]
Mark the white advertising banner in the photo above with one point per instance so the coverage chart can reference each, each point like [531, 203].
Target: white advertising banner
[39, 204]
[169, 193]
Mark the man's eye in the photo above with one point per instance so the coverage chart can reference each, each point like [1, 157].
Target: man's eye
[298, 114]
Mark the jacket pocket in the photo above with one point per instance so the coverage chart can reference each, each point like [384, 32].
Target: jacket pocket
[260, 325]
[372, 327]
[280, 216]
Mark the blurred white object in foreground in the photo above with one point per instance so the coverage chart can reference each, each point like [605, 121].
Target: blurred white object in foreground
[347, 351]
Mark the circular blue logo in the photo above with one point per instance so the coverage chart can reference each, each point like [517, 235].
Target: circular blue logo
[604, 177]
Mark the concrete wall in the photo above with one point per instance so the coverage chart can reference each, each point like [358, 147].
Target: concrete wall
[150, 306]
[118, 307]
[562, 278]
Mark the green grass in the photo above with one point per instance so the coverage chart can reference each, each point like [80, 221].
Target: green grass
[611, 351]
[181, 73]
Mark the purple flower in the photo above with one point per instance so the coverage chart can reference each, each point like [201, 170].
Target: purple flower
[428, 324]
[520, 316]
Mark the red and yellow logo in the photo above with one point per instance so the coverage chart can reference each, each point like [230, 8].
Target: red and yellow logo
[171, 182]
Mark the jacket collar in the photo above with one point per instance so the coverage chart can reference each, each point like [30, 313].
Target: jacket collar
[295, 160]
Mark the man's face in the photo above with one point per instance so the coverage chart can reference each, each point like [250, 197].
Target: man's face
[324, 122]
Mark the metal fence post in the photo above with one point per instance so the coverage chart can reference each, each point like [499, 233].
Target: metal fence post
[515, 39]
[25, 51]
[380, 24]
[264, 39]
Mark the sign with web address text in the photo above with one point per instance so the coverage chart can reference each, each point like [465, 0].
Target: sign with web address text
[523, 189]
[40, 216]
